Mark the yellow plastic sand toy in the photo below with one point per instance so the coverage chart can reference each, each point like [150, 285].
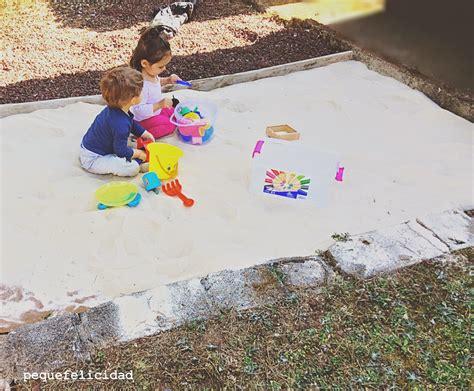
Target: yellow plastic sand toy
[164, 159]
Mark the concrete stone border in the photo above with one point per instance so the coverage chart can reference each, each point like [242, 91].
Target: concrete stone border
[277, 70]
[74, 338]
[392, 248]
[200, 85]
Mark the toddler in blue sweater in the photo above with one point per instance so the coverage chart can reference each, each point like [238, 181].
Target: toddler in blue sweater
[104, 148]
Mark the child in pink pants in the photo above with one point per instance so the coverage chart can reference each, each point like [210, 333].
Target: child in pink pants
[159, 125]
[150, 57]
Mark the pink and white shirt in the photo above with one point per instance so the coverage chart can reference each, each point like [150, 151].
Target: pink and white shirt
[151, 94]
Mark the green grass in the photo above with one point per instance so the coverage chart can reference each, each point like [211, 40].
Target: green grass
[409, 330]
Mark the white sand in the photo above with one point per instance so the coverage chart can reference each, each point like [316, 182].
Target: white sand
[404, 157]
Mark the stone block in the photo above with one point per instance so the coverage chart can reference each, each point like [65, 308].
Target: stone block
[386, 250]
[453, 227]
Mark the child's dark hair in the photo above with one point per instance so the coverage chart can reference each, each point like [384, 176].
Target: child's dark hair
[120, 85]
[151, 47]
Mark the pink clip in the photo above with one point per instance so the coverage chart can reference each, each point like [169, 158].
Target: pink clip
[339, 174]
[258, 148]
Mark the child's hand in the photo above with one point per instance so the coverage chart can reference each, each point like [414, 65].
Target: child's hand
[173, 78]
[166, 103]
[147, 136]
[139, 154]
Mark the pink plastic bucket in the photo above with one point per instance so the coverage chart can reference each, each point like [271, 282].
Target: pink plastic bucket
[198, 130]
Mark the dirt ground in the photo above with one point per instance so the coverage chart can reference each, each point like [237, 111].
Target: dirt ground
[57, 49]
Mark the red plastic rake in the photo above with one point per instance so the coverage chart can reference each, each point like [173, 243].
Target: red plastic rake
[173, 189]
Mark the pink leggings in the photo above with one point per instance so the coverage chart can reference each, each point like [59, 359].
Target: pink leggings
[160, 125]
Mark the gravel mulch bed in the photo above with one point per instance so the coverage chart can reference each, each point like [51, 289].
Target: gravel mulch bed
[58, 49]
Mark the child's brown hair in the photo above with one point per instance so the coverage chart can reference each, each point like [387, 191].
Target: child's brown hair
[120, 85]
[151, 47]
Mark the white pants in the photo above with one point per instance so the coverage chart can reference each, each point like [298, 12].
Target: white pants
[107, 164]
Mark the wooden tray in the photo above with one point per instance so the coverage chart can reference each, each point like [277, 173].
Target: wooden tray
[282, 132]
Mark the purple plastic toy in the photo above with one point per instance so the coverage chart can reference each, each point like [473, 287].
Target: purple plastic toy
[258, 148]
[340, 174]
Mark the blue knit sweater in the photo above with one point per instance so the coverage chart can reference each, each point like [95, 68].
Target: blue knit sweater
[109, 133]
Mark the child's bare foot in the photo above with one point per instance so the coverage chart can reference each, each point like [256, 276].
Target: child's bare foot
[144, 167]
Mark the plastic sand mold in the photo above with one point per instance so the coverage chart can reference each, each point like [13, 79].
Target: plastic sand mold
[116, 194]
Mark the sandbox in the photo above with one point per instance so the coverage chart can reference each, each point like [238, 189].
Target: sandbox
[403, 156]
